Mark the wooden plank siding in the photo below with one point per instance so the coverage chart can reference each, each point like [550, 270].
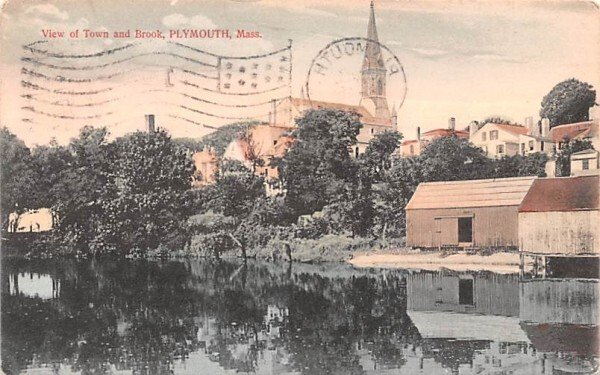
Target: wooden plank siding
[567, 233]
[559, 301]
[493, 294]
[492, 226]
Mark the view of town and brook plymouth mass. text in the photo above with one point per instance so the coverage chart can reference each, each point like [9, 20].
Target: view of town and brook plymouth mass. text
[299, 187]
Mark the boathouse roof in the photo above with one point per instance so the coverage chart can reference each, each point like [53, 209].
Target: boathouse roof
[472, 193]
[562, 194]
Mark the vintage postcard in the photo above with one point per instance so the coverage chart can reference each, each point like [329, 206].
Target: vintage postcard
[299, 187]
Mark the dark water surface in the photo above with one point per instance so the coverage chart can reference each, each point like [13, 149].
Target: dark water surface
[202, 317]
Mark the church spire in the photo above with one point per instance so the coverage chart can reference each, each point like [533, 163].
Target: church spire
[373, 73]
[373, 50]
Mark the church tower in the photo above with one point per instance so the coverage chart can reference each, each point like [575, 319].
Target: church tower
[373, 74]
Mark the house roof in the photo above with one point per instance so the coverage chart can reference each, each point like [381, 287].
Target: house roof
[446, 133]
[571, 131]
[562, 194]
[366, 116]
[473, 193]
[539, 137]
[515, 129]
[585, 152]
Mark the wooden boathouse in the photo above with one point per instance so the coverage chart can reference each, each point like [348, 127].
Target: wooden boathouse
[468, 214]
[561, 216]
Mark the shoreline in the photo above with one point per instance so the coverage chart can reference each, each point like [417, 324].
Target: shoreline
[499, 262]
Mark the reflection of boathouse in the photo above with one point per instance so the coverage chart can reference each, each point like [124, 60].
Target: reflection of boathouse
[481, 293]
[560, 301]
[490, 323]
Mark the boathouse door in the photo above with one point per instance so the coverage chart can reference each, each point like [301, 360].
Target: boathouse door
[447, 231]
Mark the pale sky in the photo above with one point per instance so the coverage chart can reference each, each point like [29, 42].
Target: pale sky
[463, 59]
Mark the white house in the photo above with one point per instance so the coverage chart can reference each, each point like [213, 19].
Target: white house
[499, 140]
[584, 163]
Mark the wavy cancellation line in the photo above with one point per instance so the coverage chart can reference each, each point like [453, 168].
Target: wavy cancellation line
[187, 83]
[160, 103]
[232, 57]
[61, 78]
[36, 74]
[114, 63]
[170, 115]
[60, 103]
[38, 51]
[65, 117]
[33, 86]
[29, 47]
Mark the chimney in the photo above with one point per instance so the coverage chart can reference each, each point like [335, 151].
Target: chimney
[150, 124]
[594, 113]
[452, 123]
[545, 127]
[418, 133]
[529, 125]
[274, 111]
[473, 127]
[394, 119]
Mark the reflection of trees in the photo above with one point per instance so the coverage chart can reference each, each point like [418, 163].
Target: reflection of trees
[139, 315]
[144, 316]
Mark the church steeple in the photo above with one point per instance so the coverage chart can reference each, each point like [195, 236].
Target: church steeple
[373, 73]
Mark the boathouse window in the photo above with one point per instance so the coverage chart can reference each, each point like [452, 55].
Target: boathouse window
[523, 148]
[493, 135]
[585, 164]
[530, 145]
[465, 229]
[412, 149]
[465, 291]
[356, 151]
[500, 149]
[483, 136]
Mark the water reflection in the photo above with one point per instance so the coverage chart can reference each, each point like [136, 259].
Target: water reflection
[33, 285]
[198, 317]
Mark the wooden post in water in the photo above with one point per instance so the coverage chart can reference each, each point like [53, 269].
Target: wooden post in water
[521, 265]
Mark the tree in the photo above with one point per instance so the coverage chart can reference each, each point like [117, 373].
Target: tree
[235, 190]
[563, 157]
[220, 138]
[319, 165]
[377, 158]
[393, 193]
[17, 177]
[144, 202]
[252, 151]
[494, 120]
[453, 158]
[568, 102]
[49, 162]
[519, 165]
[77, 189]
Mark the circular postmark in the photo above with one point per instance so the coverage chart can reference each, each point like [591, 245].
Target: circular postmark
[351, 69]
